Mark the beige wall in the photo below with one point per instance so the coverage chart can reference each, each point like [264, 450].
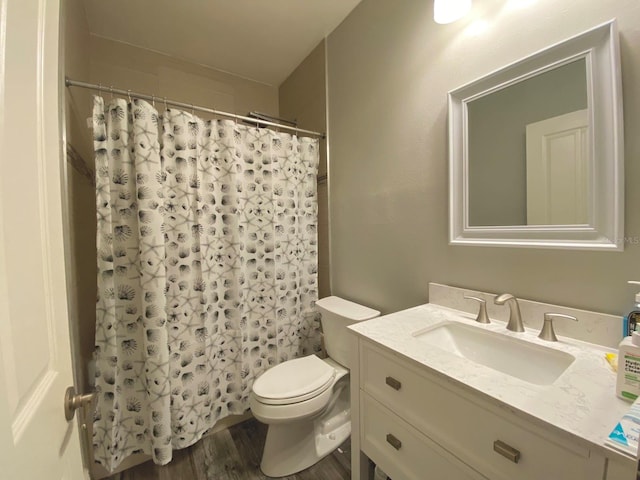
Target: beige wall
[132, 68]
[389, 69]
[77, 55]
[80, 194]
[303, 98]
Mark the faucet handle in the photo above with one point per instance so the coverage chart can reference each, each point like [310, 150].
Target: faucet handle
[547, 332]
[482, 313]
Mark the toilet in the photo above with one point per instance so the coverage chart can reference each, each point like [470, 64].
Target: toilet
[305, 401]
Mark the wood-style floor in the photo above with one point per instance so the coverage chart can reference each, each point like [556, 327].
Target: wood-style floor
[234, 454]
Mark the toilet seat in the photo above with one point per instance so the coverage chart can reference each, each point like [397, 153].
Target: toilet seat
[294, 381]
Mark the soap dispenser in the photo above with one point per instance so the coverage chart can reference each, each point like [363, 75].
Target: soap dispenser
[633, 317]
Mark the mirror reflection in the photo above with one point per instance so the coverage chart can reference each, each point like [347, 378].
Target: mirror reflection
[528, 151]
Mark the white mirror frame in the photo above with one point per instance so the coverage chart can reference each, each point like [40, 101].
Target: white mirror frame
[605, 228]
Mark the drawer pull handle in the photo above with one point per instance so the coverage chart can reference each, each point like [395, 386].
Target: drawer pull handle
[393, 383]
[393, 441]
[507, 451]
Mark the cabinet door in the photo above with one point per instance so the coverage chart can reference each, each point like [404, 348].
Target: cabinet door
[403, 452]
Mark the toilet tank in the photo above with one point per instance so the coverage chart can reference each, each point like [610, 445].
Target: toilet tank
[338, 313]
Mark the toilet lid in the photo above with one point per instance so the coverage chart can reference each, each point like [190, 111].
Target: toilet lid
[294, 380]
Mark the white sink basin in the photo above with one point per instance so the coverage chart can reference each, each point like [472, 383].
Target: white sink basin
[521, 359]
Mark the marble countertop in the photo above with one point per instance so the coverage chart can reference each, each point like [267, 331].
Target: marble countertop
[581, 402]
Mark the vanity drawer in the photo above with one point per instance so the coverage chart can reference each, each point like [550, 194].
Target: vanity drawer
[471, 432]
[403, 452]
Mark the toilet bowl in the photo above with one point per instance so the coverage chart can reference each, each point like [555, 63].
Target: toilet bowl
[305, 401]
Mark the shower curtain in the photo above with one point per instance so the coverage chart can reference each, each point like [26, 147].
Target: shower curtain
[207, 271]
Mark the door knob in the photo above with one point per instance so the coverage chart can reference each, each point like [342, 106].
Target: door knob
[73, 401]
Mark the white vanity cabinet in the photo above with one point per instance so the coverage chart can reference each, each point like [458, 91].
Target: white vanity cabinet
[418, 424]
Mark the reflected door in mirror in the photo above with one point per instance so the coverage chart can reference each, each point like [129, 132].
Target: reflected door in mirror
[558, 170]
[499, 183]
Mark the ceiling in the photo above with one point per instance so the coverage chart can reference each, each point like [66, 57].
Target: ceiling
[263, 40]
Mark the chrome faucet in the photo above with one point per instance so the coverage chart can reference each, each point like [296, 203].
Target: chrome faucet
[515, 319]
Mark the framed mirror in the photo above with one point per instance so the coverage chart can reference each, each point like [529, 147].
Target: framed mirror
[536, 150]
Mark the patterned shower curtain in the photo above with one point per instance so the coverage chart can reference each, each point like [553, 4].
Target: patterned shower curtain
[207, 271]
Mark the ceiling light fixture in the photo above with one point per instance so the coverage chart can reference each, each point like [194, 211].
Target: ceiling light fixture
[448, 11]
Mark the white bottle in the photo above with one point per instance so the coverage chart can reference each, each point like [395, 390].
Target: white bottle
[628, 384]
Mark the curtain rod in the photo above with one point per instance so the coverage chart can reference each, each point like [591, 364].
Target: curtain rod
[271, 118]
[92, 86]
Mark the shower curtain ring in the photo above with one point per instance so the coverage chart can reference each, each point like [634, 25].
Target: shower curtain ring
[153, 100]
[111, 90]
[165, 104]
[192, 110]
[129, 95]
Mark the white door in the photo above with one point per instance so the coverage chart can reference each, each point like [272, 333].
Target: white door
[557, 170]
[36, 442]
